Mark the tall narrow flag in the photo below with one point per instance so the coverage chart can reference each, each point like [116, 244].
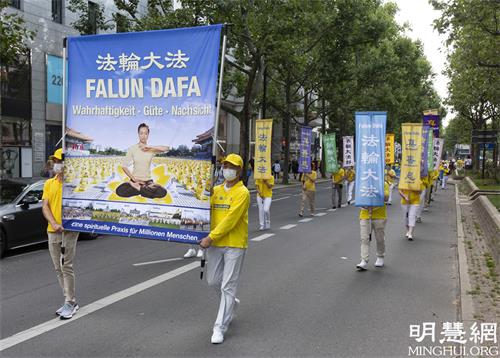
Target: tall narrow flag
[348, 145]
[389, 148]
[262, 157]
[412, 156]
[370, 158]
[330, 146]
[305, 150]
[425, 138]
[430, 147]
[437, 152]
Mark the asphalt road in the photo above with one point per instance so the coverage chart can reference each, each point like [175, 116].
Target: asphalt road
[300, 292]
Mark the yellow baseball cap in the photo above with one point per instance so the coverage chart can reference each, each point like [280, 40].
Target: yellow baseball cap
[57, 154]
[234, 159]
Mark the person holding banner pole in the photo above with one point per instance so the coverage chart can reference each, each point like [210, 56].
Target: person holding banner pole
[425, 187]
[308, 190]
[227, 242]
[373, 219]
[350, 176]
[337, 186]
[390, 178]
[410, 202]
[264, 189]
[62, 244]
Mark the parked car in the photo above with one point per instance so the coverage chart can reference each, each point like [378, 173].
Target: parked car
[21, 219]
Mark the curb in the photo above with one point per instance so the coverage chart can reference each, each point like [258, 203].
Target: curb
[466, 309]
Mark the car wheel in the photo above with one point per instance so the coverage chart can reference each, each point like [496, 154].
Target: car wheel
[88, 236]
[3, 243]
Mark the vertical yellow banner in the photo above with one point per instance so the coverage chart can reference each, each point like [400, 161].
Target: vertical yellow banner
[262, 158]
[389, 148]
[412, 155]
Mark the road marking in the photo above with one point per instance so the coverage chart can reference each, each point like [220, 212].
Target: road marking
[262, 237]
[344, 258]
[283, 198]
[159, 261]
[320, 214]
[332, 209]
[305, 220]
[92, 307]
[287, 227]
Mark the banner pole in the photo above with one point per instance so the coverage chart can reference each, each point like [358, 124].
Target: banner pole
[63, 138]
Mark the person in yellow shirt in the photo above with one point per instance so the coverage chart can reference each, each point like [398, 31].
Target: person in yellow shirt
[350, 175]
[373, 219]
[410, 201]
[337, 181]
[62, 244]
[308, 190]
[227, 241]
[424, 188]
[390, 178]
[264, 198]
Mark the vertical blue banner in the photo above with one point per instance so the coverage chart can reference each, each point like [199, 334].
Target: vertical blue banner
[305, 150]
[432, 120]
[425, 143]
[54, 79]
[140, 118]
[370, 158]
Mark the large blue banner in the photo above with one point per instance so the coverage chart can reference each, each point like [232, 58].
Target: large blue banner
[305, 150]
[370, 158]
[140, 118]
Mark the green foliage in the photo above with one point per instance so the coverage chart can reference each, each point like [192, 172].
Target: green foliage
[13, 36]
[83, 24]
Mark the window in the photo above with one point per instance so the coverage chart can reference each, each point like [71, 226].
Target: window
[57, 6]
[16, 4]
[93, 13]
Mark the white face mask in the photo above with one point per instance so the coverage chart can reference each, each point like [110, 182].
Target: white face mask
[229, 174]
[58, 167]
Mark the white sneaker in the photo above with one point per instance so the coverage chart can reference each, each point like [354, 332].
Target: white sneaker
[200, 253]
[379, 262]
[362, 265]
[261, 228]
[217, 337]
[190, 253]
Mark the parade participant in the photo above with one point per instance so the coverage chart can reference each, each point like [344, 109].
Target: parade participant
[350, 176]
[410, 201]
[424, 187]
[390, 178]
[446, 173]
[276, 169]
[141, 155]
[227, 242]
[373, 219]
[337, 185]
[264, 198]
[62, 244]
[308, 190]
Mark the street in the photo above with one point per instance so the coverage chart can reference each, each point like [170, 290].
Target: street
[300, 292]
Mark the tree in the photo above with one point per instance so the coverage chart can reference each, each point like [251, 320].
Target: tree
[85, 12]
[13, 36]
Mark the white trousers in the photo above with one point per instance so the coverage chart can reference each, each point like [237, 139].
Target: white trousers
[350, 189]
[422, 202]
[443, 182]
[410, 212]
[223, 273]
[378, 226]
[264, 205]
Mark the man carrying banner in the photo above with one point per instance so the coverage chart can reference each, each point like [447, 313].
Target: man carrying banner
[337, 180]
[264, 198]
[227, 242]
[62, 244]
[390, 178]
[308, 190]
[350, 176]
[410, 201]
[141, 155]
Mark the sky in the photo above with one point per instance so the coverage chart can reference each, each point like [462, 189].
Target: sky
[419, 14]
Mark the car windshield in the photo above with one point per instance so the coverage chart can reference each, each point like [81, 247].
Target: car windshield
[9, 191]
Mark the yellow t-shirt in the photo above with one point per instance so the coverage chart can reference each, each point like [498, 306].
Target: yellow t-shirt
[413, 195]
[52, 192]
[350, 173]
[262, 188]
[309, 182]
[338, 176]
[229, 216]
[379, 212]
[141, 161]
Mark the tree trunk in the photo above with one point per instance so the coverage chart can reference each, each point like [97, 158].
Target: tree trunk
[323, 131]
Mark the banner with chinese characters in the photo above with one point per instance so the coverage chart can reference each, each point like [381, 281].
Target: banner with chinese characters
[305, 150]
[437, 152]
[389, 148]
[348, 146]
[423, 164]
[431, 118]
[370, 158]
[262, 157]
[330, 145]
[139, 133]
[430, 146]
[411, 157]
